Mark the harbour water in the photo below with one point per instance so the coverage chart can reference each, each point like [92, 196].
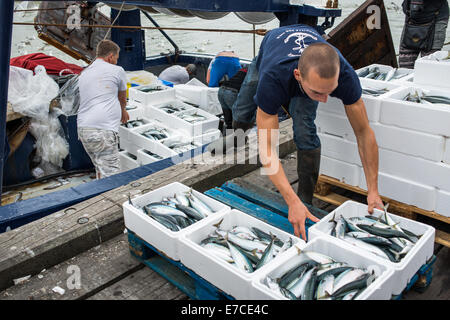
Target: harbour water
[25, 38]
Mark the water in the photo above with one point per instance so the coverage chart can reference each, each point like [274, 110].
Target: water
[25, 38]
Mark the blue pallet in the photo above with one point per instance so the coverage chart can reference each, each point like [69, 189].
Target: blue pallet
[175, 272]
[254, 204]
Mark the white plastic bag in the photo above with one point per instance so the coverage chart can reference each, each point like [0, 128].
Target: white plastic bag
[70, 96]
[31, 95]
[51, 145]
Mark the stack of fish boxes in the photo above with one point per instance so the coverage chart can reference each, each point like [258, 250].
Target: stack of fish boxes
[404, 270]
[185, 246]
[139, 150]
[204, 97]
[414, 153]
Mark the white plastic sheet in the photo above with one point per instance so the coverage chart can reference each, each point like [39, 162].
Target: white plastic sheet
[70, 96]
[51, 145]
[30, 94]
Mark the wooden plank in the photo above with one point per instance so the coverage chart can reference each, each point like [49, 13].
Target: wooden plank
[98, 268]
[57, 237]
[392, 203]
[443, 238]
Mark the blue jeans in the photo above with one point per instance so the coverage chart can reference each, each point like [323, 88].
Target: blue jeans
[303, 111]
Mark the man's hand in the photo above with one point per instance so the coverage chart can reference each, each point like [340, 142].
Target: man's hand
[297, 216]
[125, 116]
[374, 201]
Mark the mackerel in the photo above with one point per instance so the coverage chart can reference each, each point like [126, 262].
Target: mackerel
[299, 287]
[267, 255]
[366, 246]
[325, 287]
[290, 277]
[386, 233]
[240, 259]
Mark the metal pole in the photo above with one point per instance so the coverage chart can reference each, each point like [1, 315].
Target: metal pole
[6, 17]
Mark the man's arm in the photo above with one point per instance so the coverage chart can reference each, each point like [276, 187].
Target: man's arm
[271, 163]
[123, 104]
[368, 150]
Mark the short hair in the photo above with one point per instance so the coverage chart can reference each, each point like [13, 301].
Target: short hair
[321, 57]
[191, 68]
[106, 47]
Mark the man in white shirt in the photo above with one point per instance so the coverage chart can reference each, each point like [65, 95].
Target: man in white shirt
[103, 99]
[178, 74]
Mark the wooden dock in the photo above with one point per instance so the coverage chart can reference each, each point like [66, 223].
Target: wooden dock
[90, 238]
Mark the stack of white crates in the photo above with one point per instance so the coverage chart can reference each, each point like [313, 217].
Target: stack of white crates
[413, 140]
[145, 103]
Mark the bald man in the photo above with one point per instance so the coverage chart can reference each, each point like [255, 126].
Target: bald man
[296, 68]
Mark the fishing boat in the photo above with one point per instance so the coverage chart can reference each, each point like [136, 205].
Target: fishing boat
[367, 46]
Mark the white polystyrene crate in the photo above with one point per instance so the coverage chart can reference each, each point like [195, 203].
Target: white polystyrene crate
[381, 67]
[136, 113]
[129, 146]
[154, 146]
[373, 103]
[127, 161]
[198, 128]
[136, 96]
[379, 289]
[430, 118]
[144, 158]
[207, 137]
[168, 119]
[222, 274]
[125, 133]
[430, 71]
[409, 265]
[158, 236]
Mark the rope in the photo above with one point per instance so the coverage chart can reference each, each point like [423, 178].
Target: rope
[38, 9]
[260, 32]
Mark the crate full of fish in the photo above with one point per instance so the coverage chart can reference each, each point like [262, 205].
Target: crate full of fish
[125, 128]
[403, 244]
[146, 157]
[385, 73]
[164, 112]
[204, 97]
[150, 94]
[162, 216]
[152, 136]
[196, 122]
[323, 269]
[180, 144]
[230, 250]
[433, 70]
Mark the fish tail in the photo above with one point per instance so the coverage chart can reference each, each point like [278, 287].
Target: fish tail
[217, 225]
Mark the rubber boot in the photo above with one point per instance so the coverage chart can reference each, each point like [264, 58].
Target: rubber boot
[228, 119]
[223, 144]
[308, 165]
